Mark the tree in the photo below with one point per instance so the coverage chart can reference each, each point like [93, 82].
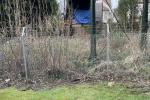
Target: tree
[23, 12]
[128, 9]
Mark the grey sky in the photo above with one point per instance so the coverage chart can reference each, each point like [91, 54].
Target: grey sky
[114, 4]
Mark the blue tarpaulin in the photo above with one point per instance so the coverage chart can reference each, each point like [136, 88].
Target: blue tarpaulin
[82, 16]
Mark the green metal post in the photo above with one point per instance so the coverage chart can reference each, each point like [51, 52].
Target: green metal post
[144, 25]
[93, 35]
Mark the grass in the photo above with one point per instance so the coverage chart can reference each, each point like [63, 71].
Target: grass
[71, 54]
[86, 91]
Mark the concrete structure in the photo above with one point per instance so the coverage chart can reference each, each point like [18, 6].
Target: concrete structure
[140, 7]
[102, 12]
[106, 11]
[98, 12]
[73, 4]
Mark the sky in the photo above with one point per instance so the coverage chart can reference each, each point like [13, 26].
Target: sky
[113, 2]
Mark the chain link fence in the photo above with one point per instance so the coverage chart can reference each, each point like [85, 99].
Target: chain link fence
[66, 57]
[47, 54]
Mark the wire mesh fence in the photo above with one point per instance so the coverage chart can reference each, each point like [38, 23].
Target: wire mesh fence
[57, 48]
[62, 52]
[66, 57]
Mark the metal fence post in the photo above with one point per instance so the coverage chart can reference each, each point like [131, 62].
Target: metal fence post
[28, 55]
[0, 60]
[52, 49]
[144, 25]
[24, 55]
[93, 35]
[52, 52]
[108, 59]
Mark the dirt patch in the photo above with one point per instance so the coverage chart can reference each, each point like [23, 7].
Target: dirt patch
[39, 83]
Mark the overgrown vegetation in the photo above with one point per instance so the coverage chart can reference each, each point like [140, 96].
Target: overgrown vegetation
[70, 57]
[128, 13]
[69, 61]
[15, 14]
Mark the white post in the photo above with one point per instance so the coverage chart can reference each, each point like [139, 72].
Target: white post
[24, 55]
[108, 59]
[52, 49]
[0, 60]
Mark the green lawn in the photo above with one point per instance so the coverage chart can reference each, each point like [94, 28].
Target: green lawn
[86, 91]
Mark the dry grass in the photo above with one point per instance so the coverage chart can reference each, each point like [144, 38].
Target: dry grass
[126, 58]
[70, 53]
[70, 56]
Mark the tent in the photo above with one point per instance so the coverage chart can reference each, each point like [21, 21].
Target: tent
[82, 16]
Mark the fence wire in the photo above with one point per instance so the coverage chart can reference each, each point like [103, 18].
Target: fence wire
[62, 52]
[66, 57]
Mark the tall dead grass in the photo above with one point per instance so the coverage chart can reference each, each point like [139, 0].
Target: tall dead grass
[70, 55]
[18, 17]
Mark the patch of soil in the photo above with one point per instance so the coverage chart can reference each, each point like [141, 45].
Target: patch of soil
[41, 83]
